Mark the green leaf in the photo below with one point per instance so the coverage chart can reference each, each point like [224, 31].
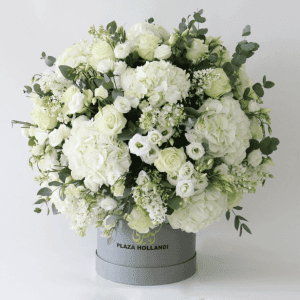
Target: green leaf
[246, 93]
[175, 202]
[112, 27]
[37, 89]
[43, 54]
[268, 84]
[135, 57]
[192, 112]
[240, 59]
[40, 201]
[254, 144]
[198, 18]
[111, 219]
[55, 183]
[242, 218]
[241, 229]
[228, 69]
[62, 196]
[31, 141]
[108, 85]
[116, 93]
[168, 185]
[99, 82]
[182, 27]
[37, 210]
[248, 47]
[45, 192]
[68, 72]
[191, 23]
[64, 174]
[125, 135]
[264, 80]
[258, 89]
[246, 228]
[236, 222]
[213, 57]
[50, 60]
[246, 30]
[202, 31]
[151, 20]
[55, 210]
[228, 215]
[28, 88]
[268, 145]
[238, 208]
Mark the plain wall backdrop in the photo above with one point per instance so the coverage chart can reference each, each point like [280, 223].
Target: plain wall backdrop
[41, 258]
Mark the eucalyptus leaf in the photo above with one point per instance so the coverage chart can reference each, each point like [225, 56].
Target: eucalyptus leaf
[108, 85]
[175, 202]
[182, 27]
[50, 60]
[268, 84]
[258, 89]
[213, 57]
[238, 208]
[54, 183]
[54, 210]
[202, 31]
[37, 210]
[111, 219]
[192, 112]
[40, 201]
[246, 30]
[248, 47]
[111, 27]
[28, 88]
[228, 215]
[99, 82]
[45, 192]
[37, 89]
[64, 174]
[68, 72]
[228, 69]
[116, 93]
[151, 20]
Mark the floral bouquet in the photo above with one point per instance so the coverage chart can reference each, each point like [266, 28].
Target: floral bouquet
[149, 127]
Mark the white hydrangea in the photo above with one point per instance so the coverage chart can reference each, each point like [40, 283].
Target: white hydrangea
[224, 128]
[160, 81]
[203, 209]
[100, 158]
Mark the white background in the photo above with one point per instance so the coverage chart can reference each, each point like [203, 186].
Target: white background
[41, 258]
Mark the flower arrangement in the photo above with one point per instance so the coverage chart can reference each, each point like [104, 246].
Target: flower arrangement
[149, 127]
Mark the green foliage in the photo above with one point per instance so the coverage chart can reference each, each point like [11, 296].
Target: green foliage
[228, 68]
[37, 89]
[191, 112]
[68, 72]
[45, 192]
[246, 30]
[28, 89]
[175, 202]
[43, 55]
[64, 174]
[31, 141]
[268, 145]
[254, 145]
[111, 27]
[228, 215]
[202, 31]
[50, 60]
[115, 93]
[151, 20]
[125, 135]
[267, 84]
[37, 210]
[198, 18]
[238, 208]
[213, 57]
[54, 210]
[258, 89]
[40, 201]
[55, 183]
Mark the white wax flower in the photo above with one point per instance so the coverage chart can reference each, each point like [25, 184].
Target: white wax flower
[76, 104]
[139, 145]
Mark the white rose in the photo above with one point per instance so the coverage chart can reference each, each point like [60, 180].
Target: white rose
[101, 92]
[25, 131]
[122, 50]
[105, 65]
[195, 150]
[76, 104]
[185, 188]
[37, 150]
[91, 185]
[110, 121]
[154, 137]
[253, 106]
[139, 145]
[108, 203]
[122, 104]
[162, 52]
[254, 158]
[41, 135]
[120, 67]
[103, 50]
[186, 171]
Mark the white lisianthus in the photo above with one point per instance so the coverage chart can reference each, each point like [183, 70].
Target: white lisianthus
[185, 188]
[105, 65]
[255, 128]
[195, 150]
[122, 104]
[253, 106]
[172, 179]
[165, 132]
[102, 50]
[101, 92]
[154, 137]
[222, 169]
[41, 135]
[142, 178]
[254, 158]
[76, 104]
[139, 145]
[25, 131]
[186, 171]
[162, 52]
[151, 156]
[122, 50]
[110, 121]
[38, 150]
[108, 203]
[197, 50]
[120, 67]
